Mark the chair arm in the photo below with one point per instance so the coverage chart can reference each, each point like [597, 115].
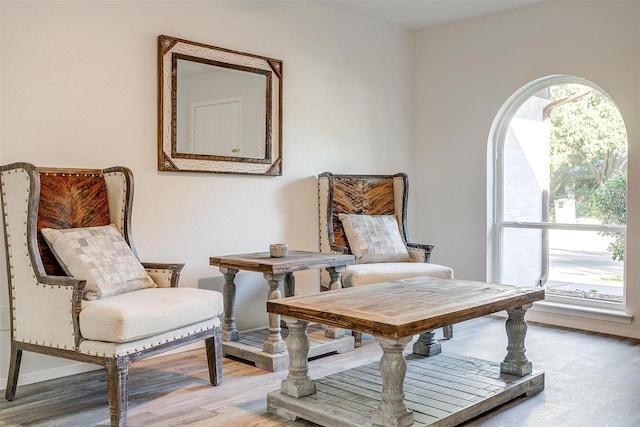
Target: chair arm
[420, 252]
[51, 317]
[165, 275]
[340, 249]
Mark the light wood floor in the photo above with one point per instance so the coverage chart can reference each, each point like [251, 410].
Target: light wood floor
[591, 381]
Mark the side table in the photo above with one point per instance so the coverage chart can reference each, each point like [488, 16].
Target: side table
[278, 272]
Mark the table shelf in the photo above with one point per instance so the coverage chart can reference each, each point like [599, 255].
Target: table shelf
[249, 347]
[443, 390]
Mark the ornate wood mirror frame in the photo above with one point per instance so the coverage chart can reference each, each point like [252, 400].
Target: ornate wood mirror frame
[219, 110]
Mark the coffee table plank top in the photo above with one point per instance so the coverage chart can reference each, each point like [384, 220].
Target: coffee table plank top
[294, 261]
[405, 307]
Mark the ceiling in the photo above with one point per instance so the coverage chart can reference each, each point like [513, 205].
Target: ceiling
[418, 14]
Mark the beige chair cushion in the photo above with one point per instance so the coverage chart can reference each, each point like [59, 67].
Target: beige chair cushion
[117, 349]
[147, 312]
[374, 238]
[99, 255]
[366, 274]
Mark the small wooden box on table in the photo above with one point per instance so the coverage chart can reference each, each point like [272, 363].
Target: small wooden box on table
[266, 348]
[438, 390]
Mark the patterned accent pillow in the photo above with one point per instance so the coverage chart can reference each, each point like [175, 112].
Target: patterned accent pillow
[374, 238]
[101, 256]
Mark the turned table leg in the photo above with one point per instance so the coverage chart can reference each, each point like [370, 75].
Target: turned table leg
[516, 363]
[298, 383]
[274, 343]
[335, 273]
[392, 411]
[289, 285]
[229, 330]
[289, 291]
[427, 344]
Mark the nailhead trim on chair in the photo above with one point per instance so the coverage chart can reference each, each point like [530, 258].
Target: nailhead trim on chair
[25, 280]
[155, 343]
[165, 273]
[14, 317]
[123, 201]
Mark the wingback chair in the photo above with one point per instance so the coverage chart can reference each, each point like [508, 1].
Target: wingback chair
[132, 311]
[341, 197]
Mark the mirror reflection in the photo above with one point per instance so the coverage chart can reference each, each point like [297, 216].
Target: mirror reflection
[220, 110]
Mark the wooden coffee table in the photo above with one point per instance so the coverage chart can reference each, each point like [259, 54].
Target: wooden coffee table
[266, 348]
[437, 390]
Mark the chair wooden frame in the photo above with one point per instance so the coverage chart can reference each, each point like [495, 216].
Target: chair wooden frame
[21, 192]
[366, 195]
[350, 194]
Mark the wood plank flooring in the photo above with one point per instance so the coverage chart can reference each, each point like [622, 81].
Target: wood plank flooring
[591, 380]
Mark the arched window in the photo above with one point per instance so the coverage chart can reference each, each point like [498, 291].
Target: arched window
[559, 208]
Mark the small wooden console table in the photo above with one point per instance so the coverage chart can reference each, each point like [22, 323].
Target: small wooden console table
[439, 390]
[270, 353]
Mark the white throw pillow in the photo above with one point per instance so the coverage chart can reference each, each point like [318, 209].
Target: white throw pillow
[99, 255]
[374, 238]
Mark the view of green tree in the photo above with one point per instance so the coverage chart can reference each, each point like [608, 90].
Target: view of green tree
[609, 205]
[588, 143]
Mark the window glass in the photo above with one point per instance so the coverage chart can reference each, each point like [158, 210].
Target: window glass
[563, 191]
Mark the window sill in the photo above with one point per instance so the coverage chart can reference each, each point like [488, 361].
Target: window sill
[585, 312]
[542, 308]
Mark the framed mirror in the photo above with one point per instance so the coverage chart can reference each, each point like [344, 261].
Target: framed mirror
[219, 110]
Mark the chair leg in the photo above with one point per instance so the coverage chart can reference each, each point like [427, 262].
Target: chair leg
[448, 332]
[14, 370]
[357, 336]
[117, 379]
[214, 356]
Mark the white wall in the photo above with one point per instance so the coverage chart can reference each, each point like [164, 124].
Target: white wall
[466, 71]
[79, 89]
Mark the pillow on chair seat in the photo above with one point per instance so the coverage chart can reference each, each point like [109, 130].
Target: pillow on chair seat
[136, 315]
[381, 252]
[374, 238]
[99, 255]
[366, 274]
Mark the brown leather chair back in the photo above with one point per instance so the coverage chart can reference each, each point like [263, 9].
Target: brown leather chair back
[69, 200]
[362, 195]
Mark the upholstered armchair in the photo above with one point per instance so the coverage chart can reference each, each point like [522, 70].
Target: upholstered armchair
[366, 215]
[76, 287]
